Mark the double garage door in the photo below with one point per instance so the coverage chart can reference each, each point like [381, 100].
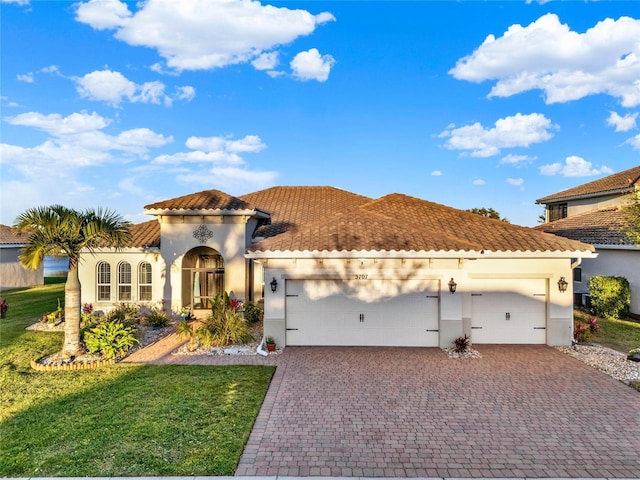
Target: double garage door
[388, 312]
[362, 312]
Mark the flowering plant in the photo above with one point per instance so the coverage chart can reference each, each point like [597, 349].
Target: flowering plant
[235, 304]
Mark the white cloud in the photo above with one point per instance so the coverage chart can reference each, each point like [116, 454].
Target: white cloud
[509, 132]
[564, 64]
[436, 173]
[113, 88]
[202, 34]
[216, 150]
[230, 179]
[574, 166]
[516, 182]
[634, 142]
[622, 124]
[26, 77]
[265, 61]
[479, 181]
[517, 160]
[310, 65]
[75, 141]
[17, 2]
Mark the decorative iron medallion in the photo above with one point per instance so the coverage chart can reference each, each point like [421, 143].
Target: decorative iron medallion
[202, 234]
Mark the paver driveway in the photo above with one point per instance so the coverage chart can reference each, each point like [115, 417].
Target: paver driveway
[519, 411]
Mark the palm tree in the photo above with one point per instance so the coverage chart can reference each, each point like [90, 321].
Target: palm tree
[61, 231]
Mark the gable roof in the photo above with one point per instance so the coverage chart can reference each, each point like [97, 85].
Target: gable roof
[597, 227]
[145, 234]
[12, 236]
[400, 223]
[208, 201]
[291, 207]
[621, 182]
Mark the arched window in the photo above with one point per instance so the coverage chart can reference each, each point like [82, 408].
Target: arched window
[144, 282]
[124, 282]
[104, 282]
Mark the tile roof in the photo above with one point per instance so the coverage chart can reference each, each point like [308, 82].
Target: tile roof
[11, 236]
[145, 234]
[618, 182]
[205, 200]
[292, 207]
[406, 224]
[597, 227]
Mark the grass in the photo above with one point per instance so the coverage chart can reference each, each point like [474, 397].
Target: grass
[121, 420]
[621, 335]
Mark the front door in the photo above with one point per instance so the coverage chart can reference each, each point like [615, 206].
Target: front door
[202, 277]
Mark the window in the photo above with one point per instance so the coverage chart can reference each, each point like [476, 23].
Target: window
[577, 274]
[124, 282]
[557, 211]
[104, 282]
[144, 282]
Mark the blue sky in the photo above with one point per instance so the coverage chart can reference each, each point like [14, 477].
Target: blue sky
[470, 104]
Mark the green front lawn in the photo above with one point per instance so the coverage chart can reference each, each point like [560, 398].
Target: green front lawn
[121, 420]
[621, 335]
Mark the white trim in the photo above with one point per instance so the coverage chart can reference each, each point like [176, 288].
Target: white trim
[172, 212]
[413, 254]
[616, 247]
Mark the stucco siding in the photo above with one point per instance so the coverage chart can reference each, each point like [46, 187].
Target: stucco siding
[612, 262]
[13, 274]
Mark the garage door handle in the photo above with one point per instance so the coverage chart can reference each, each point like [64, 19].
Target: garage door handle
[539, 328]
[433, 330]
[291, 329]
[476, 328]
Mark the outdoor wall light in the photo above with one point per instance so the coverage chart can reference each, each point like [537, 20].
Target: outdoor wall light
[452, 285]
[562, 285]
[274, 284]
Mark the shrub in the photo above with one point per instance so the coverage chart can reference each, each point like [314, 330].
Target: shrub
[253, 312]
[4, 306]
[111, 339]
[156, 319]
[593, 325]
[125, 313]
[581, 332]
[610, 296]
[185, 330]
[462, 344]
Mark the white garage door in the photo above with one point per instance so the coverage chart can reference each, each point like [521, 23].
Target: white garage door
[363, 312]
[509, 311]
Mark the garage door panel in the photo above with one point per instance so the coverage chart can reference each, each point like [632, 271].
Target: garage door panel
[362, 312]
[509, 312]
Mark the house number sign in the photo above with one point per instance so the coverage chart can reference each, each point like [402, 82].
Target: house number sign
[202, 234]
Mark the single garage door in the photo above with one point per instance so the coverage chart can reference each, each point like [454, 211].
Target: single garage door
[509, 311]
[362, 312]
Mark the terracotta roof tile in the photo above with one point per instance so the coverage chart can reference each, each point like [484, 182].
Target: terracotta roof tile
[292, 207]
[10, 235]
[597, 227]
[145, 234]
[617, 182]
[205, 200]
[401, 223]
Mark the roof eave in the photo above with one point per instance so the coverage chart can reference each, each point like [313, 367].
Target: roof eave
[256, 255]
[204, 211]
[553, 199]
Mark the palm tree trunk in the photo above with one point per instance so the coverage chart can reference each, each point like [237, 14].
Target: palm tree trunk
[71, 347]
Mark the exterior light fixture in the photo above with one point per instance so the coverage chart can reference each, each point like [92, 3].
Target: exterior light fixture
[452, 285]
[562, 285]
[274, 284]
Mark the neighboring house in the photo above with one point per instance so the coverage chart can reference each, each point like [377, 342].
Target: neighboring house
[595, 213]
[336, 268]
[12, 273]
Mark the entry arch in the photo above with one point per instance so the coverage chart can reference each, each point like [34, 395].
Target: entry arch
[202, 277]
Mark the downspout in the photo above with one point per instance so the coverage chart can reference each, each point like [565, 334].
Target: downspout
[576, 263]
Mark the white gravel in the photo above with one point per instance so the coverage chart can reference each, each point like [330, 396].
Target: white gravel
[611, 362]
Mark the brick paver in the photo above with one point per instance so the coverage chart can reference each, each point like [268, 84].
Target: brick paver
[519, 411]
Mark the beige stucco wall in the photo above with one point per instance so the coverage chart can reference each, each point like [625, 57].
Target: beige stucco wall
[575, 207]
[87, 270]
[13, 274]
[455, 309]
[614, 262]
